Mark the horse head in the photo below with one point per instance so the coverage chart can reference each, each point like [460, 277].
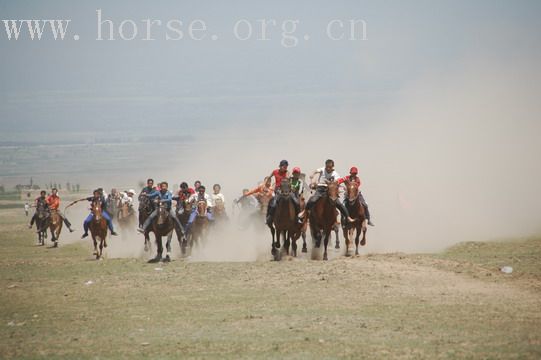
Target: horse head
[219, 206]
[202, 208]
[332, 190]
[163, 213]
[352, 190]
[97, 210]
[285, 187]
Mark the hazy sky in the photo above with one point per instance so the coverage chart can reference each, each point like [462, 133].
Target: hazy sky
[75, 85]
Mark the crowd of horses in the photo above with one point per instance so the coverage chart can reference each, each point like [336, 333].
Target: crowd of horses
[285, 229]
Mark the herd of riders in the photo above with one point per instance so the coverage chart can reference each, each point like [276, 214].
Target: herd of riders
[266, 194]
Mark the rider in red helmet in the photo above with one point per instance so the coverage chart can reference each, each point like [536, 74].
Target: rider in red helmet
[297, 185]
[279, 175]
[354, 178]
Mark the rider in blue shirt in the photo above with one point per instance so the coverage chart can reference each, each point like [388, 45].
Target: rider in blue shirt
[165, 197]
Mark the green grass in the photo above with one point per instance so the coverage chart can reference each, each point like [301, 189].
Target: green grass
[383, 306]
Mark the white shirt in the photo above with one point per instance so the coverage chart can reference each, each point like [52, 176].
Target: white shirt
[195, 198]
[325, 176]
[220, 196]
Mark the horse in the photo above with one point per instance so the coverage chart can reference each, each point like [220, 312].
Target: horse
[98, 228]
[183, 216]
[145, 209]
[125, 216]
[356, 211]
[113, 201]
[323, 216]
[55, 227]
[284, 221]
[43, 219]
[300, 229]
[200, 225]
[161, 226]
[219, 213]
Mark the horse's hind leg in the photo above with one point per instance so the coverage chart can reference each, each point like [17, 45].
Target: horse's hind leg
[294, 246]
[357, 235]
[287, 241]
[304, 247]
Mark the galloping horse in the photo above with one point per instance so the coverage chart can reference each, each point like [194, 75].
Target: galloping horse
[43, 220]
[145, 209]
[98, 228]
[219, 211]
[200, 225]
[55, 226]
[284, 221]
[323, 216]
[183, 217]
[356, 211]
[125, 216]
[162, 225]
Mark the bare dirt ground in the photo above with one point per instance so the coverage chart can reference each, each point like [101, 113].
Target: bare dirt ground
[59, 303]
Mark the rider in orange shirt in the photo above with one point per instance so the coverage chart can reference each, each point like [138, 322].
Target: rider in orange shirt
[53, 201]
[352, 177]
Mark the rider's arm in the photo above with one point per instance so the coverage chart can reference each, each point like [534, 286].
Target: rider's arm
[254, 191]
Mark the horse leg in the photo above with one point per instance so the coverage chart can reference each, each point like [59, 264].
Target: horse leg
[294, 246]
[347, 240]
[287, 241]
[304, 248]
[336, 231]
[273, 248]
[357, 235]
[325, 244]
[102, 241]
[95, 247]
[363, 241]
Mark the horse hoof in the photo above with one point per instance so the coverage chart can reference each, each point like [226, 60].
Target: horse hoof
[55, 244]
[337, 247]
[167, 259]
[304, 250]
[363, 242]
[325, 257]
[155, 260]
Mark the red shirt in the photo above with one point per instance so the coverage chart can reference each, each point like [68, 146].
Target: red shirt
[53, 201]
[279, 176]
[357, 180]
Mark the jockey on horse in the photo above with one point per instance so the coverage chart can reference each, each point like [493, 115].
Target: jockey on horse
[53, 201]
[263, 193]
[353, 178]
[97, 196]
[183, 195]
[217, 195]
[165, 197]
[40, 201]
[279, 175]
[326, 174]
[195, 198]
[297, 185]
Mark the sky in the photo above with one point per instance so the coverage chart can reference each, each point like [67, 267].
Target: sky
[438, 106]
[140, 85]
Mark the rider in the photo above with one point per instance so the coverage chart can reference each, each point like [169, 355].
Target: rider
[149, 188]
[326, 174]
[280, 175]
[97, 196]
[297, 186]
[196, 185]
[165, 197]
[40, 201]
[53, 201]
[127, 198]
[183, 195]
[247, 201]
[217, 194]
[352, 177]
[264, 191]
[195, 198]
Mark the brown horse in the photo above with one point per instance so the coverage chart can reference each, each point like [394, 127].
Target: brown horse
[284, 222]
[219, 211]
[125, 216]
[43, 219]
[145, 209]
[356, 211]
[162, 225]
[200, 225]
[300, 229]
[55, 226]
[323, 217]
[98, 228]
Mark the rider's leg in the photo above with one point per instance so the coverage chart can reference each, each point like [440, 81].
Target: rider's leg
[270, 211]
[310, 203]
[32, 221]
[149, 220]
[66, 221]
[345, 213]
[193, 215]
[178, 226]
[365, 206]
[109, 222]
[86, 223]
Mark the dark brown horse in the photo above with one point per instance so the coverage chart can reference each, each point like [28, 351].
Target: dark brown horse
[284, 222]
[300, 229]
[43, 219]
[145, 209]
[55, 227]
[162, 225]
[323, 217]
[200, 225]
[98, 228]
[356, 211]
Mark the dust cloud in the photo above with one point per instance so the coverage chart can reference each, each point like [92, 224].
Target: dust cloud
[454, 157]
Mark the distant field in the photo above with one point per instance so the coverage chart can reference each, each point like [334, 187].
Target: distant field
[456, 304]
